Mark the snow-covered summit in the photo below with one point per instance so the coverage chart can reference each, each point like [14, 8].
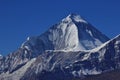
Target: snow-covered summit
[65, 50]
[75, 18]
[73, 33]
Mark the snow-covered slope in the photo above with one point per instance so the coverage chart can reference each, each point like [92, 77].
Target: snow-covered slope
[73, 33]
[16, 75]
[65, 49]
[67, 65]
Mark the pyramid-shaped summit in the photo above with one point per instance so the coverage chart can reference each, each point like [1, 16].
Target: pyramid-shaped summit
[72, 33]
[67, 60]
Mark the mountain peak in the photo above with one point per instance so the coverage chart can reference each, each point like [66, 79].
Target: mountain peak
[73, 15]
[66, 48]
[72, 34]
[75, 18]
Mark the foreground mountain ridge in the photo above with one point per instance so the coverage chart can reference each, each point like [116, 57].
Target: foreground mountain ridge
[70, 49]
[67, 65]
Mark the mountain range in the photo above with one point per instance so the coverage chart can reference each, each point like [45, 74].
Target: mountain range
[71, 49]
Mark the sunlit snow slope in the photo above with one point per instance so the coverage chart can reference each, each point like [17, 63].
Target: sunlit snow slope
[73, 33]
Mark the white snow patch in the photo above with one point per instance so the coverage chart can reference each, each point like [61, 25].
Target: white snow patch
[74, 73]
[89, 32]
[26, 52]
[27, 47]
[67, 67]
[75, 17]
[90, 72]
[117, 42]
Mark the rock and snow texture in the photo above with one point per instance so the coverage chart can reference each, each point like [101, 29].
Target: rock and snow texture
[71, 48]
[16, 75]
[67, 65]
[73, 33]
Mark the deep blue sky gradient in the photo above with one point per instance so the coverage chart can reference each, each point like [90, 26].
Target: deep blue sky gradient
[22, 18]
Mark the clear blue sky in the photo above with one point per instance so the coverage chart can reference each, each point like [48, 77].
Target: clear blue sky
[22, 18]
